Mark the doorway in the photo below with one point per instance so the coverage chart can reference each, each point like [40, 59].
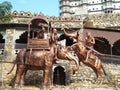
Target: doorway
[59, 76]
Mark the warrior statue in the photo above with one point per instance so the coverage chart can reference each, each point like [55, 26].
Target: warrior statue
[89, 42]
[54, 38]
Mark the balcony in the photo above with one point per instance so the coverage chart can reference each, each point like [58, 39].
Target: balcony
[64, 6]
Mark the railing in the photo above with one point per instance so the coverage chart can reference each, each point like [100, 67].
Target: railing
[16, 51]
[20, 46]
[110, 58]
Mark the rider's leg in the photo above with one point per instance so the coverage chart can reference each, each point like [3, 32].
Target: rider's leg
[88, 54]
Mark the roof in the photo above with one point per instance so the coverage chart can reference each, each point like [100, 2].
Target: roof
[39, 20]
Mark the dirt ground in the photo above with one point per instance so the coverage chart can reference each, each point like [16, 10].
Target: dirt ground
[35, 84]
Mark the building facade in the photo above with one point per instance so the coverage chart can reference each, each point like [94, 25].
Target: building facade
[69, 7]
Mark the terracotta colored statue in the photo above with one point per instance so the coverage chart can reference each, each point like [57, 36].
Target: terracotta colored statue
[95, 63]
[63, 53]
[89, 42]
[45, 60]
[42, 60]
[81, 50]
[54, 38]
[28, 59]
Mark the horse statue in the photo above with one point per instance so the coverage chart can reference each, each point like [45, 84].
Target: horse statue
[39, 60]
[82, 50]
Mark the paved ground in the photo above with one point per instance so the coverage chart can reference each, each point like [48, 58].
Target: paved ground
[72, 86]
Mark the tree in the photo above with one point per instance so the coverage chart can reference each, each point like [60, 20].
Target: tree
[5, 7]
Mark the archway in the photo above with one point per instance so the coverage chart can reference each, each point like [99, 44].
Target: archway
[2, 44]
[1, 39]
[23, 37]
[59, 76]
[102, 45]
[116, 48]
[22, 41]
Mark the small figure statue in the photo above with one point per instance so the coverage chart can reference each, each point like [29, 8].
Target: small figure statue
[89, 42]
[54, 38]
[40, 34]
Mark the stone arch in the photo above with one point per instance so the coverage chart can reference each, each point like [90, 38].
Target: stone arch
[1, 39]
[22, 41]
[2, 43]
[69, 41]
[102, 45]
[59, 75]
[23, 37]
[116, 48]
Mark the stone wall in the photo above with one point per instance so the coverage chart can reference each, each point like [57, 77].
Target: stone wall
[99, 20]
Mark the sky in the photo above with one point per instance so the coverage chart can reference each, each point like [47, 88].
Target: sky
[47, 7]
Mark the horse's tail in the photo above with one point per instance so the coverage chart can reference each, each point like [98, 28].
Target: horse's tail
[108, 77]
[104, 70]
[11, 69]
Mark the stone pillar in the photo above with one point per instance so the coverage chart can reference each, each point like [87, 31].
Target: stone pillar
[9, 44]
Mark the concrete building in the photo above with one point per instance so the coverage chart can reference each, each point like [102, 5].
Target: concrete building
[69, 7]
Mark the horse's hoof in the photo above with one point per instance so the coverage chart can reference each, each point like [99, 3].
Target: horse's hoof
[45, 88]
[16, 87]
[22, 85]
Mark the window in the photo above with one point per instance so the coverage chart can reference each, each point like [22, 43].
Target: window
[114, 6]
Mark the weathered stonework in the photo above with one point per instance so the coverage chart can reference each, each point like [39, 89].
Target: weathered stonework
[9, 42]
[99, 20]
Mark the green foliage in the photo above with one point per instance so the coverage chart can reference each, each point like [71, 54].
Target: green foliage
[5, 7]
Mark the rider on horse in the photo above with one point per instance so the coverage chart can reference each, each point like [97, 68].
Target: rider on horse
[89, 43]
